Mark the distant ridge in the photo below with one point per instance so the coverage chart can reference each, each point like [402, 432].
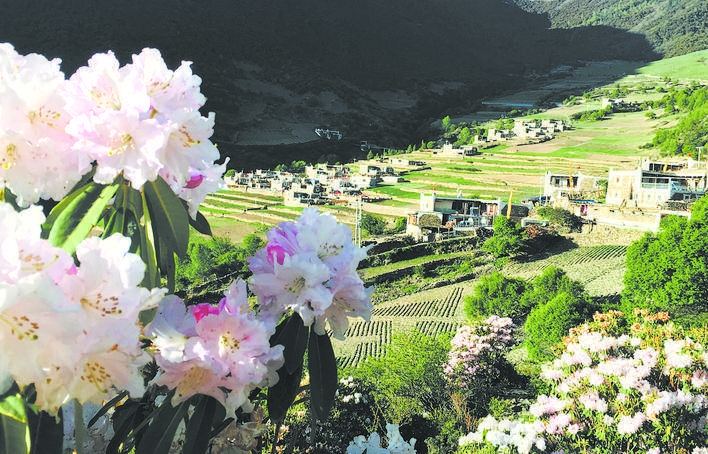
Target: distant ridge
[309, 52]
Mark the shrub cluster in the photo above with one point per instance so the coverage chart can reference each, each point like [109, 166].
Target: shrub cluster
[629, 383]
[377, 257]
[562, 219]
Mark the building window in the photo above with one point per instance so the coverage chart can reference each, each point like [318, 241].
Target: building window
[648, 197]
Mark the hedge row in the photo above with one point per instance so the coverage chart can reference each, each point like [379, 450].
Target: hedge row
[399, 254]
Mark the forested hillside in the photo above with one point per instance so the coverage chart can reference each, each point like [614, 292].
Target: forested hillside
[674, 27]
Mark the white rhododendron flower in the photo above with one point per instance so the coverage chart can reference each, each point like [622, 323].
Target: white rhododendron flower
[71, 331]
[36, 156]
[142, 120]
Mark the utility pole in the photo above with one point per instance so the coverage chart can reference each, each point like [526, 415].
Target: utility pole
[357, 228]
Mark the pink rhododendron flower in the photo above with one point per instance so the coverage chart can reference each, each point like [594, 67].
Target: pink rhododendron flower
[309, 267]
[219, 351]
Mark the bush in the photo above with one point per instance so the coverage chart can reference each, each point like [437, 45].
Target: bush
[497, 294]
[550, 283]
[209, 259]
[669, 271]
[563, 219]
[408, 378]
[373, 224]
[508, 238]
[548, 323]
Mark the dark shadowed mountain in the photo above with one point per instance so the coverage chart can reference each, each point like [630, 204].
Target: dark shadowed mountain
[273, 71]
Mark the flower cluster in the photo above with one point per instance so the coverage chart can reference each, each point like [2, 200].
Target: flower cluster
[636, 381]
[222, 351]
[476, 346]
[140, 121]
[524, 436]
[309, 267]
[396, 443]
[72, 331]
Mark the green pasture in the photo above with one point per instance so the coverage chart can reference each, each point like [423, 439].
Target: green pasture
[690, 66]
[399, 190]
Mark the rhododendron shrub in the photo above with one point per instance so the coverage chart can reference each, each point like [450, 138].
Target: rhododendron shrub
[477, 368]
[629, 383]
[121, 158]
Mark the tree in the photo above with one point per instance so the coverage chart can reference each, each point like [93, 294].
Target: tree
[669, 271]
[508, 238]
[373, 224]
[499, 295]
[447, 125]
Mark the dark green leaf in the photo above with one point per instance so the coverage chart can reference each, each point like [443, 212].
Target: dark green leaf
[74, 217]
[46, 431]
[110, 404]
[201, 224]
[147, 250]
[168, 215]
[158, 436]
[8, 197]
[14, 435]
[123, 421]
[197, 433]
[322, 365]
[292, 334]
[282, 395]
[124, 216]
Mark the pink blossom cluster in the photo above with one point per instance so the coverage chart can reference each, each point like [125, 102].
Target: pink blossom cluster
[623, 386]
[71, 330]
[475, 345]
[309, 267]
[140, 120]
[222, 351]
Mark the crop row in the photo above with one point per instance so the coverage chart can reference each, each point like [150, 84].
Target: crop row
[380, 328]
[446, 307]
[436, 327]
[362, 351]
[573, 257]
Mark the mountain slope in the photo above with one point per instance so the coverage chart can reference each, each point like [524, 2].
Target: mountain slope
[673, 27]
[272, 72]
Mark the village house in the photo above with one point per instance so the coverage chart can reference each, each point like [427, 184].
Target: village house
[458, 214]
[654, 183]
[560, 185]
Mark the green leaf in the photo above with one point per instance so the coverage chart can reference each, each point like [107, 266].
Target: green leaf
[282, 395]
[108, 405]
[322, 365]
[124, 216]
[292, 334]
[147, 250]
[14, 435]
[197, 433]
[201, 224]
[46, 432]
[168, 215]
[14, 407]
[158, 436]
[73, 218]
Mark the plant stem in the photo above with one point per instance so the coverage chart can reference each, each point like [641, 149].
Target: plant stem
[79, 428]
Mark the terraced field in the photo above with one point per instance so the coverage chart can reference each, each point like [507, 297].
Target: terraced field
[599, 268]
